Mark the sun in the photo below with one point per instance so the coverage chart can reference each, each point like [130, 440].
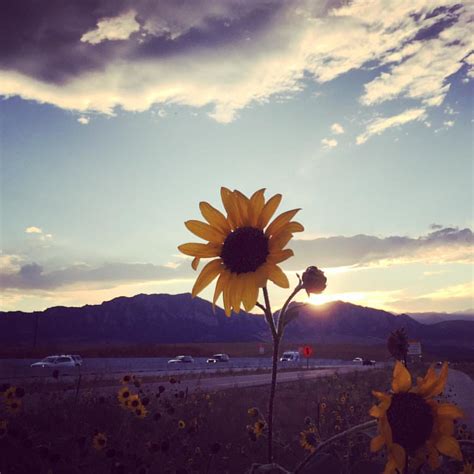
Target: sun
[320, 299]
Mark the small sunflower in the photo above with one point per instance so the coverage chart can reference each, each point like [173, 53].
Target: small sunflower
[245, 252]
[10, 393]
[259, 428]
[99, 441]
[309, 439]
[126, 379]
[140, 411]
[181, 424]
[124, 395]
[412, 423]
[253, 412]
[13, 405]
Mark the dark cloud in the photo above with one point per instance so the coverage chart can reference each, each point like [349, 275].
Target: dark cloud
[365, 249]
[43, 39]
[33, 276]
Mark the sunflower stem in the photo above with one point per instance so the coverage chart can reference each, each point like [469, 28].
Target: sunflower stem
[281, 318]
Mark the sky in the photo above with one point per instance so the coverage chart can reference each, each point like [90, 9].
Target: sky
[118, 117]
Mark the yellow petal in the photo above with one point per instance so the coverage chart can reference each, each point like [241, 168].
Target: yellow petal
[399, 455]
[280, 221]
[448, 446]
[268, 210]
[226, 295]
[257, 201]
[291, 227]
[237, 288]
[444, 425]
[390, 467]
[401, 378]
[426, 385]
[377, 443]
[261, 275]
[243, 206]
[385, 430]
[250, 292]
[377, 412]
[200, 250]
[228, 200]
[449, 410]
[220, 285]
[438, 387]
[195, 263]
[277, 276]
[278, 242]
[205, 231]
[214, 217]
[280, 256]
[207, 275]
[434, 459]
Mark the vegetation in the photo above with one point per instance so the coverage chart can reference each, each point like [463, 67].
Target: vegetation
[182, 432]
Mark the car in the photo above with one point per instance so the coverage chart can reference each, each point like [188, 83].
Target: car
[57, 361]
[290, 356]
[218, 358]
[181, 360]
[357, 359]
[368, 362]
[78, 359]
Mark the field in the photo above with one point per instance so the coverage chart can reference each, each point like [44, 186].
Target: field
[179, 432]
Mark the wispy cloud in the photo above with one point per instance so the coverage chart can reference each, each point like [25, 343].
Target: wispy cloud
[337, 129]
[83, 120]
[379, 125]
[33, 230]
[329, 143]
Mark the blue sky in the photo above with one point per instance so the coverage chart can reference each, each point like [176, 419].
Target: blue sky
[109, 143]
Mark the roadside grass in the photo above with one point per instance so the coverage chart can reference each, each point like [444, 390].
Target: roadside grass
[198, 432]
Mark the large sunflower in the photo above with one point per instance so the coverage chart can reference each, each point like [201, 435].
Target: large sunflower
[245, 248]
[412, 423]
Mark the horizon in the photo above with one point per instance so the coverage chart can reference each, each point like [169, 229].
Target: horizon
[360, 117]
[468, 312]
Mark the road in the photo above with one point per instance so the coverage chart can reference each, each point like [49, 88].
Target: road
[460, 390]
[15, 369]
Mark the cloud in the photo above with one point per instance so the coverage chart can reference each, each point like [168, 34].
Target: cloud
[379, 125]
[33, 230]
[337, 129]
[446, 245]
[113, 29]
[83, 120]
[228, 54]
[329, 142]
[34, 276]
[448, 123]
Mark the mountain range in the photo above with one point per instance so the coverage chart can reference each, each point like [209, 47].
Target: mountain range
[172, 319]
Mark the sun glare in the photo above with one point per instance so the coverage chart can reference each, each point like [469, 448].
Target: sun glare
[320, 299]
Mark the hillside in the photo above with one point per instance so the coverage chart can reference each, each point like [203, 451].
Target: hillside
[173, 319]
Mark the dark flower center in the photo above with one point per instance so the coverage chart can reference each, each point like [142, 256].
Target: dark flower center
[411, 420]
[310, 438]
[244, 250]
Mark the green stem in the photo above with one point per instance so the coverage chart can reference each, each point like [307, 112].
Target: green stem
[281, 319]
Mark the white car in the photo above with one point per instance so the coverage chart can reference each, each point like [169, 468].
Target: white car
[181, 360]
[218, 358]
[290, 356]
[358, 359]
[57, 361]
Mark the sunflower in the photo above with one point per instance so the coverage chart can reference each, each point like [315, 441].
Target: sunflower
[468, 468]
[99, 441]
[13, 405]
[123, 395]
[181, 424]
[246, 250]
[412, 423]
[309, 439]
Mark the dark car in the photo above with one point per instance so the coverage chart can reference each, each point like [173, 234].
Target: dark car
[368, 362]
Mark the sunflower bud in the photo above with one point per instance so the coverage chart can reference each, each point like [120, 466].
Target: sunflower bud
[314, 280]
[397, 344]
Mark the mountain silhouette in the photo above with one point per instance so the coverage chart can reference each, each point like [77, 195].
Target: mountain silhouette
[165, 319]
